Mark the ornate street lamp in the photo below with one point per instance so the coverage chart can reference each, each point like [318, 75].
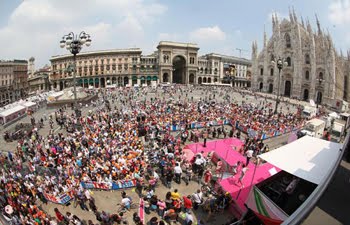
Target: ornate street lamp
[280, 63]
[318, 99]
[74, 44]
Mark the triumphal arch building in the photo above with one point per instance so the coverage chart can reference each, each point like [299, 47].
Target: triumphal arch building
[178, 62]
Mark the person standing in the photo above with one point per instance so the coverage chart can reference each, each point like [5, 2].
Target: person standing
[205, 136]
[178, 172]
[187, 203]
[243, 172]
[59, 216]
[197, 198]
[188, 218]
[249, 154]
[218, 168]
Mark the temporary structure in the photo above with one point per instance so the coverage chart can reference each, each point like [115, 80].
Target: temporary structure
[11, 113]
[308, 158]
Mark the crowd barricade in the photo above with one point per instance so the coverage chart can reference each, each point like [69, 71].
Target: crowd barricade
[62, 199]
[108, 185]
[263, 135]
[195, 125]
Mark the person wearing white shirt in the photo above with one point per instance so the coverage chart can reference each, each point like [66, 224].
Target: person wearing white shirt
[249, 154]
[197, 199]
[178, 172]
[188, 218]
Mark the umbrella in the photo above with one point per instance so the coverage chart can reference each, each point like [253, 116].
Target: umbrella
[8, 209]
[188, 154]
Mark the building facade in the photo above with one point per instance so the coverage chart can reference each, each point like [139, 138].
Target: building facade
[13, 81]
[312, 67]
[219, 68]
[173, 62]
[39, 81]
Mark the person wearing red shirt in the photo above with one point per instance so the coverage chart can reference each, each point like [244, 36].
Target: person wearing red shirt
[187, 203]
[59, 215]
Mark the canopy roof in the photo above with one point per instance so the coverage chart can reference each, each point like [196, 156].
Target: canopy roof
[11, 110]
[308, 158]
[28, 104]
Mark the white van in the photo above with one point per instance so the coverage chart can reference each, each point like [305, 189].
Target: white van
[337, 131]
[309, 112]
[314, 128]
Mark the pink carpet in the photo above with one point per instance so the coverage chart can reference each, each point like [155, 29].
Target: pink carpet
[224, 149]
[241, 194]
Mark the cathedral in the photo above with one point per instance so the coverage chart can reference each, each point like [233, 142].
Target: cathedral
[311, 68]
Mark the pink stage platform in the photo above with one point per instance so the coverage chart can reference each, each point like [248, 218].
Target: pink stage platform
[224, 149]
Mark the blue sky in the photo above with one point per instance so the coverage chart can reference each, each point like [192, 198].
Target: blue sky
[35, 27]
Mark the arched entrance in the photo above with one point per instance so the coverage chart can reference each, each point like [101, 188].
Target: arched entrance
[134, 80]
[55, 85]
[148, 80]
[191, 78]
[199, 80]
[86, 83]
[179, 72]
[143, 80]
[319, 97]
[120, 81]
[126, 81]
[261, 85]
[215, 80]
[287, 88]
[114, 80]
[270, 88]
[204, 80]
[209, 80]
[306, 95]
[97, 82]
[165, 77]
[61, 85]
[103, 82]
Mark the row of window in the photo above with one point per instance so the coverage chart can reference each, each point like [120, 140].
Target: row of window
[307, 74]
[5, 82]
[207, 63]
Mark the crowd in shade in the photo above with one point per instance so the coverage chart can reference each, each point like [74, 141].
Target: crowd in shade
[113, 143]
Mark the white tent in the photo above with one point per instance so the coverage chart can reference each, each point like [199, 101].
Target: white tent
[11, 111]
[308, 158]
[28, 104]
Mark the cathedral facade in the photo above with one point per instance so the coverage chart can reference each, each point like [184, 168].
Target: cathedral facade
[312, 68]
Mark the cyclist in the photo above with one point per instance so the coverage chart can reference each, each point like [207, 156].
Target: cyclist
[126, 201]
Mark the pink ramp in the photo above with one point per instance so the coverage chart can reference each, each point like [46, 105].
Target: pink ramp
[239, 194]
[226, 149]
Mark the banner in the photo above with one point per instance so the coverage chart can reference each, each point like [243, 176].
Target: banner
[259, 203]
[109, 185]
[62, 199]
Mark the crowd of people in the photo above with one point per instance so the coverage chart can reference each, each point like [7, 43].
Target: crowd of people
[113, 143]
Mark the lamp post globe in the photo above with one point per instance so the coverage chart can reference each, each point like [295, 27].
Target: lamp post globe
[280, 63]
[74, 44]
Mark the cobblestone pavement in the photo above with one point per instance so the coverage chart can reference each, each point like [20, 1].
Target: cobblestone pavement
[108, 200]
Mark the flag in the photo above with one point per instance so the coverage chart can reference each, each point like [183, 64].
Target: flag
[264, 208]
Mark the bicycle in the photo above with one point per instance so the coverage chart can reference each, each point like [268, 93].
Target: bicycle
[123, 209]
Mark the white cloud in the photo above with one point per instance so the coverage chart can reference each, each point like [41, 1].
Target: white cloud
[208, 34]
[339, 12]
[36, 26]
[169, 37]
